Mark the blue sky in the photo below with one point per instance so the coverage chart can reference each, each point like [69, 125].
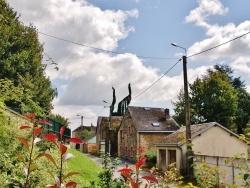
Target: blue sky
[135, 29]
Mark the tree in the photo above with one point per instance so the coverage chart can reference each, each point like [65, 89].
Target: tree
[21, 62]
[243, 110]
[85, 134]
[212, 98]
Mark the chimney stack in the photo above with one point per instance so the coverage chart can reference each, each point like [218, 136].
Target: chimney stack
[167, 116]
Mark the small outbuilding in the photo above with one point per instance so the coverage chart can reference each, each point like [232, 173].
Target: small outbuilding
[210, 141]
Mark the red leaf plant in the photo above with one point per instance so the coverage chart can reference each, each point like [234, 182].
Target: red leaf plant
[64, 156]
[29, 164]
[133, 176]
[29, 144]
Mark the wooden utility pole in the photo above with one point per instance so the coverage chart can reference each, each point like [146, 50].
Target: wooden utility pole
[189, 153]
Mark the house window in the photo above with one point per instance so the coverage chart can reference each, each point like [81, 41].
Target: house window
[129, 130]
[120, 150]
[102, 136]
[155, 124]
[120, 136]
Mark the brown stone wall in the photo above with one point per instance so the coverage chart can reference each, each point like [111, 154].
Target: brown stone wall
[147, 140]
[127, 140]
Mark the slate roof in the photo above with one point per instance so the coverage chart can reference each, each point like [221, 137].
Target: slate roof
[178, 137]
[144, 117]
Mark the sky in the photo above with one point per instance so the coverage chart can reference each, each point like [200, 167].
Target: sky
[100, 44]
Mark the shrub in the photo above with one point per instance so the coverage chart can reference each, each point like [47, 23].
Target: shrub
[151, 158]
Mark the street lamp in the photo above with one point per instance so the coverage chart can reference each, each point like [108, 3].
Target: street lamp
[187, 111]
[176, 45]
[109, 146]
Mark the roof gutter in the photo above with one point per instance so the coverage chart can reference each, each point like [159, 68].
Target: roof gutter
[145, 131]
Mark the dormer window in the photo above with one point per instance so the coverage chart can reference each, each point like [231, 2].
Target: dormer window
[155, 124]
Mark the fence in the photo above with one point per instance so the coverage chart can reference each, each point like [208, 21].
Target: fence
[55, 129]
[229, 170]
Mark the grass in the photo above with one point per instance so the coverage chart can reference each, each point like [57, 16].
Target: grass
[81, 163]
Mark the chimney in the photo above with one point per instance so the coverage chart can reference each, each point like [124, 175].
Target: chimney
[167, 116]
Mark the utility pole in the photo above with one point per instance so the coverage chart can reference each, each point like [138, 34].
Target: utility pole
[187, 120]
[109, 129]
[81, 121]
[109, 133]
[189, 154]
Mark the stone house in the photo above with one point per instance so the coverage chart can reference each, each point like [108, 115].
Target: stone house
[77, 134]
[106, 134]
[89, 144]
[141, 127]
[210, 141]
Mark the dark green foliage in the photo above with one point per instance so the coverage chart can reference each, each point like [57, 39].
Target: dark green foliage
[151, 158]
[21, 63]
[217, 96]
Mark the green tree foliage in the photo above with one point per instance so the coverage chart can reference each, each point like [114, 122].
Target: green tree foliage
[8, 91]
[60, 119]
[243, 109]
[217, 96]
[20, 62]
[85, 134]
[213, 99]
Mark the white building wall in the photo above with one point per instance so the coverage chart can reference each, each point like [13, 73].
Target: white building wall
[218, 142]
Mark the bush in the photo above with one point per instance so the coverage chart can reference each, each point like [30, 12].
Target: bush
[151, 158]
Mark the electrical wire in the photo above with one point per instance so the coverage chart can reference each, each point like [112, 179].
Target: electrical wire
[145, 57]
[189, 57]
[96, 114]
[157, 80]
[219, 45]
[102, 50]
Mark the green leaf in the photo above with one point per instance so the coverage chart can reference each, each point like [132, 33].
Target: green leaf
[246, 176]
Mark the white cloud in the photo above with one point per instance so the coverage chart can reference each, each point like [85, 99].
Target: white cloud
[205, 9]
[86, 75]
[218, 34]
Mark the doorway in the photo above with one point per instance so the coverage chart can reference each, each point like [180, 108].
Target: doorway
[171, 157]
[162, 159]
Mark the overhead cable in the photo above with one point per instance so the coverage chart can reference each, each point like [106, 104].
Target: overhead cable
[157, 80]
[102, 50]
[218, 45]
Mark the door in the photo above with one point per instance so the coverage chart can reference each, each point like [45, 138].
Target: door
[171, 156]
[162, 159]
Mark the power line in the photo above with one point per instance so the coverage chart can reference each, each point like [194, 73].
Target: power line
[219, 45]
[145, 57]
[157, 80]
[95, 115]
[188, 57]
[102, 50]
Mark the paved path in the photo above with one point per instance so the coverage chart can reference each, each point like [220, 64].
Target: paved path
[117, 174]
